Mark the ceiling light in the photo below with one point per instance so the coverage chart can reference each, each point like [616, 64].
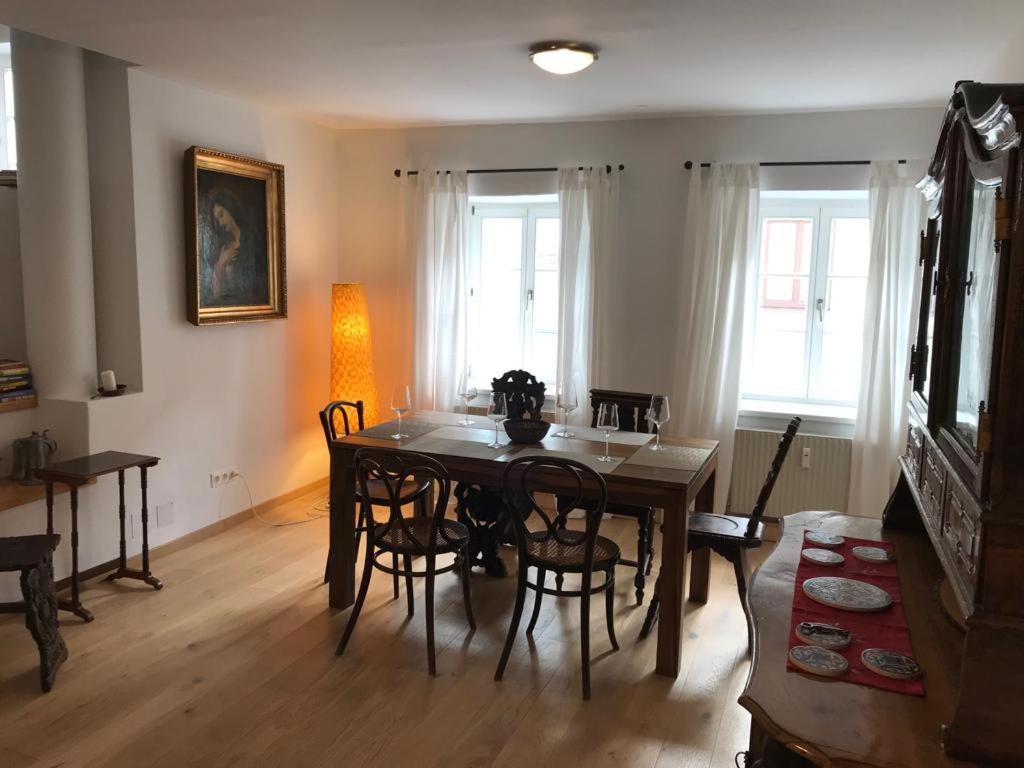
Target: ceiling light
[562, 58]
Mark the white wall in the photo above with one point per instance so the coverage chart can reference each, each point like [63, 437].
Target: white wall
[653, 202]
[243, 396]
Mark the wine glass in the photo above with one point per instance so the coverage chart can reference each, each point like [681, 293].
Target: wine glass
[401, 402]
[497, 411]
[607, 422]
[658, 415]
[567, 402]
[467, 393]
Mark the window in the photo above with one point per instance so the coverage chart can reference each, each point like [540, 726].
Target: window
[804, 341]
[8, 140]
[513, 305]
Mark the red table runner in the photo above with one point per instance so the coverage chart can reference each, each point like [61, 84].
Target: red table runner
[885, 629]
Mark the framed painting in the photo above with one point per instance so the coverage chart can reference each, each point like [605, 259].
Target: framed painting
[234, 211]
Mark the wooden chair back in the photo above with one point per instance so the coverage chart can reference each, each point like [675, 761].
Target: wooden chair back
[329, 418]
[523, 393]
[393, 469]
[773, 474]
[577, 484]
[632, 408]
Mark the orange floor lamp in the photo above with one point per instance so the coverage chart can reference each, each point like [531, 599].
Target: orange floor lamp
[351, 349]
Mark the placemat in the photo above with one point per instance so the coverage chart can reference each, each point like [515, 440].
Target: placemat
[885, 629]
[587, 459]
[410, 427]
[671, 457]
[597, 435]
[460, 446]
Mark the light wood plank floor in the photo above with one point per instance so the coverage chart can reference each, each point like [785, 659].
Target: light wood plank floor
[233, 664]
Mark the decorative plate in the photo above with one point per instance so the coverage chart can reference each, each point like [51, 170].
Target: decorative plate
[822, 556]
[847, 594]
[873, 555]
[823, 635]
[892, 664]
[824, 539]
[818, 661]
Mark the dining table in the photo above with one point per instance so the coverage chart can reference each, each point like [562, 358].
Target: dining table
[676, 479]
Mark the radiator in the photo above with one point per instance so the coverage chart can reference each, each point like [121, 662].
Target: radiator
[823, 486]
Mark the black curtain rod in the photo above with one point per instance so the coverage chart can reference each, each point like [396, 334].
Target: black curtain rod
[689, 163]
[608, 169]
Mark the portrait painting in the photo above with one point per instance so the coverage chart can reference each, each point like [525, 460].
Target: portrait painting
[235, 233]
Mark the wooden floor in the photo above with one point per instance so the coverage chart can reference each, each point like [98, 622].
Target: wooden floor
[233, 664]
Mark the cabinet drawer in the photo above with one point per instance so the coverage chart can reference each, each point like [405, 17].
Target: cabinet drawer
[915, 445]
[933, 481]
[961, 532]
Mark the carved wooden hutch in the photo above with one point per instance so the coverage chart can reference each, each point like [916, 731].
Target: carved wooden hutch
[962, 475]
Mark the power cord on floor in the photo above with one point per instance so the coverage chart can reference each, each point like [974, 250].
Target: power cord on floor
[270, 523]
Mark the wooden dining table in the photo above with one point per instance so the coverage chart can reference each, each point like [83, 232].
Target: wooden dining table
[677, 479]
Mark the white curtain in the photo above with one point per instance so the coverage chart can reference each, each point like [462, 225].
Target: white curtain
[439, 227]
[717, 274]
[897, 215]
[588, 207]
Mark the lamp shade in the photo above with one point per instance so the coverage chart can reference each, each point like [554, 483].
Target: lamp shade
[351, 349]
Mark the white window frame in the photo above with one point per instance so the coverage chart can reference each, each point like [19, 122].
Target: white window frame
[822, 208]
[5, 64]
[529, 209]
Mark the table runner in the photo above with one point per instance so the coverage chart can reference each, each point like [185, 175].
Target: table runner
[885, 629]
[411, 427]
[587, 459]
[670, 457]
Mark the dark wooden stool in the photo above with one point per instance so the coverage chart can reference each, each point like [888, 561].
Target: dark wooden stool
[33, 557]
[75, 473]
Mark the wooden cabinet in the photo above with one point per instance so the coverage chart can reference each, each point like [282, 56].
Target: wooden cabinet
[963, 469]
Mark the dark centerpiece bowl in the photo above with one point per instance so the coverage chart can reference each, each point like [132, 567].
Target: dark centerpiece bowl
[526, 430]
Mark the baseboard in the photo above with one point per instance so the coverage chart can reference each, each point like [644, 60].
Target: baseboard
[196, 536]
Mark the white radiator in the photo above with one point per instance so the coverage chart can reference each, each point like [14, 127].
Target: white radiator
[823, 486]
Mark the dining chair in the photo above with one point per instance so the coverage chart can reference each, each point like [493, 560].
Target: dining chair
[414, 491]
[632, 418]
[731, 537]
[413, 537]
[482, 508]
[550, 546]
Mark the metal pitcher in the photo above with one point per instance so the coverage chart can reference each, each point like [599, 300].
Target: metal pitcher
[32, 453]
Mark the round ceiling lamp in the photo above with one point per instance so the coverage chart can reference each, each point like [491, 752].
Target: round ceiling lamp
[562, 58]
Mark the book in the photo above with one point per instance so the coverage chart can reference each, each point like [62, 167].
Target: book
[25, 378]
[21, 394]
[10, 367]
[12, 386]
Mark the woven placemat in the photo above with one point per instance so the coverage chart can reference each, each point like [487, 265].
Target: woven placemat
[411, 428]
[683, 458]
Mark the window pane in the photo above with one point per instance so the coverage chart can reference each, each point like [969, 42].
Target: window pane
[849, 250]
[9, 91]
[498, 342]
[12, 145]
[547, 244]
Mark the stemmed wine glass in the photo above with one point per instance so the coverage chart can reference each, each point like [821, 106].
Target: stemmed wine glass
[467, 393]
[401, 402]
[567, 402]
[497, 411]
[658, 414]
[607, 422]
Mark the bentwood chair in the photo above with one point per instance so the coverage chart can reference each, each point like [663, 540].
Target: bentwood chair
[481, 508]
[422, 537]
[729, 536]
[551, 546]
[414, 491]
[632, 418]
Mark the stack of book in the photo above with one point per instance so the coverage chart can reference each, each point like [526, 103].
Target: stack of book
[16, 390]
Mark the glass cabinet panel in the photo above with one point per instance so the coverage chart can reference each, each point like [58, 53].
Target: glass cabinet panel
[926, 338]
[977, 293]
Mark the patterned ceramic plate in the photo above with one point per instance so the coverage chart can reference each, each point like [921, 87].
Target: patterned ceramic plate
[873, 555]
[823, 635]
[892, 664]
[847, 594]
[822, 556]
[818, 661]
[824, 539]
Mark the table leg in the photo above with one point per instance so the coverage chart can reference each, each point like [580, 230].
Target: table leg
[342, 529]
[147, 575]
[49, 509]
[123, 559]
[700, 561]
[670, 585]
[41, 619]
[123, 571]
[75, 604]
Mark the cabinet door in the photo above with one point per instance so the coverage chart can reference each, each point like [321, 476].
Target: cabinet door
[925, 342]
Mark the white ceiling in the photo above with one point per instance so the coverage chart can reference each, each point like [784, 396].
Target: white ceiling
[390, 62]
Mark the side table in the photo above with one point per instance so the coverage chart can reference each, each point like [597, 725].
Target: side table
[75, 473]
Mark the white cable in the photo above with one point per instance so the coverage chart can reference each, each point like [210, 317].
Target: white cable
[309, 517]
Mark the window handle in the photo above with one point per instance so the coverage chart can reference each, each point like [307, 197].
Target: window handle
[820, 304]
[529, 294]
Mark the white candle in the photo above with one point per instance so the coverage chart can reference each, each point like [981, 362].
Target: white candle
[108, 382]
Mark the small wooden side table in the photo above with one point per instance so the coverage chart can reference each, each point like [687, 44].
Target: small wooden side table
[75, 473]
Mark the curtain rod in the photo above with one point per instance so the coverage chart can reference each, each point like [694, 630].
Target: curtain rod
[794, 163]
[608, 168]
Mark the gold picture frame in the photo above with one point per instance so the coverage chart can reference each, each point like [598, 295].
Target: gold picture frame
[235, 238]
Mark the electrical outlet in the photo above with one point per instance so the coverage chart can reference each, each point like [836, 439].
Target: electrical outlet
[165, 514]
[221, 477]
[805, 458]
